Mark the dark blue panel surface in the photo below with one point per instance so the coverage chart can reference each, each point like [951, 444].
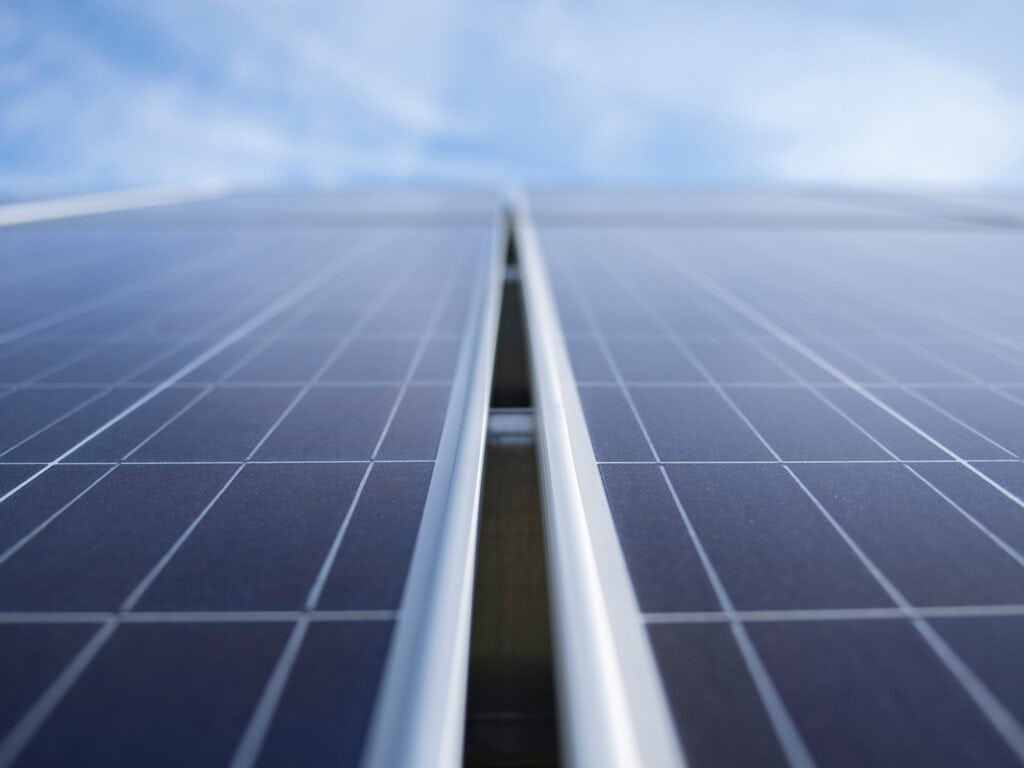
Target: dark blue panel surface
[958, 436]
[416, 428]
[991, 645]
[616, 434]
[894, 435]
[218, 425]
[1007, 477]
[439, 360]
[799, 425]
[652, 360]
[261, 545]
[325, 710]
[771, 546]
[204, 679]
[838, 407]
[711, 691]
[285, 360]
[13, 474]
[31, 657]
[30, 361]
[330, 424]
[25, 412]
[123, 439]
[94, 554]
[588, 361]
[42, 498]
[662, 560]
[373, 361]
[872, 693]
[737, 361]
[72, 427]
[374, 556]
[696, 425]
[242, 416]
[930, 550]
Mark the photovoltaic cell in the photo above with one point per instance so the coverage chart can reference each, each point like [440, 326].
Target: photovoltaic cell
[219, 430]
[807, 427]
[221, 424]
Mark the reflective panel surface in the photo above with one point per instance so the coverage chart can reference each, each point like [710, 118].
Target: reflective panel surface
[809, 434]
[219, 424]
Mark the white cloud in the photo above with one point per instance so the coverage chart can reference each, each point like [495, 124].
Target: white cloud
[804, 99]
[873, 111]
[238, 95]
[453, 89]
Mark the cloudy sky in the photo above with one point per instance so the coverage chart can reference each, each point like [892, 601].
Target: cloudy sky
[114, 93]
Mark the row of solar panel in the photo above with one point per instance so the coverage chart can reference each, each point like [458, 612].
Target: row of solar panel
[797, 435]
[241, 446]
[226, 430]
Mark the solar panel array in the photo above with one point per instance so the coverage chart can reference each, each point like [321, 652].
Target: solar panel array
[219, 426]
[807, 421]
[780, 439]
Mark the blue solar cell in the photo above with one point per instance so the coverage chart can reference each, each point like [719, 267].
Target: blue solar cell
[242, 417]
[654, 360]
[985, 503]
[990, 646]
[950, 432]
[711, 692]
[95, 553]
[616, 435]
[416, 428]
[41, 498]
[439, 361]
[31, 657]
[929, 549]
[663, 562]
[771, 546]
[730, 360]
[1007, 476]
[285, 360]
[325, 710]
[26, 411]
[373, 360]
[894, 435]
[205, 679]
[873, 693]
[33, 359]
[72, 426]
[992, 413]
[200, 486]
[799, 425]
[121, 439]
[109, 363]
[330, 424]
[687, 424]
[369, 572]
[13, 474]
[261, 544]
[796, 582]
[588, 361]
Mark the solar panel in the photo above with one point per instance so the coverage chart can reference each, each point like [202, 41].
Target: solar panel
[780, 441]
[784, 484]
[710, 210]
[240, 453]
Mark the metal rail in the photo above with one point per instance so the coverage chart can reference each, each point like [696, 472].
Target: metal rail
[612, 704]
[419, 718]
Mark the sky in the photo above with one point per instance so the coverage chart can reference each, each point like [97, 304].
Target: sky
[105, 94]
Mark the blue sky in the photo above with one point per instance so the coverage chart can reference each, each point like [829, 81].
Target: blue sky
[97, 95]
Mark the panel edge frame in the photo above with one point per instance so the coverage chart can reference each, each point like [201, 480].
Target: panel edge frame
[48, 209]
[612, 705]
[419, 716]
